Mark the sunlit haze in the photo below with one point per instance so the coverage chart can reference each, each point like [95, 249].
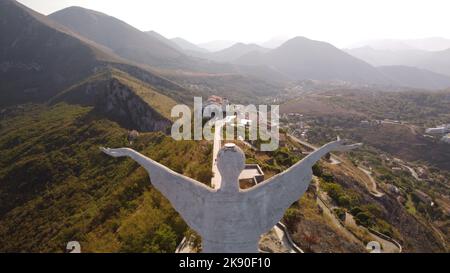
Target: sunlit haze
[341, 22]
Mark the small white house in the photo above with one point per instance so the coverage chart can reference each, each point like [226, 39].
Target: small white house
[443, 129]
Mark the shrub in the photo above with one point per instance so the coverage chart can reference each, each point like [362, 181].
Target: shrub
[363, 219]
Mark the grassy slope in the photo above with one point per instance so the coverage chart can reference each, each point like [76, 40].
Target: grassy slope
[56, 186]
[161, 103]
[156, 100]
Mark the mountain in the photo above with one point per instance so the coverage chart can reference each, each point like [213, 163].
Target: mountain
[163, 39]
[41, 60]
[187, 46]
[35, 54]
[415, 77]
[297, 59]
[151, 49]
[384, 44]
[216, 45]
[436, 61]
[430, 44]
[378, 57]
[235, 52]
[123, 39]
[226, 55]
[301, 58]
[427, 44]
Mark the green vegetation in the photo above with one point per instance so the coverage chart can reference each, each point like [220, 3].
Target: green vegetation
[312, 230]
[367, 215]
[340, 213]
[274, 162]
[424, 108]
[56, 186]
[343, 198]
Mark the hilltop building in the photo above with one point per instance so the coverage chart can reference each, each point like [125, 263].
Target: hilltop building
[215, 103]
[443, 129]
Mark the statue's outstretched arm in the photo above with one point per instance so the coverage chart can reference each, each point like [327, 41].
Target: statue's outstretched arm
[185, 194]
[340, 145]
[279, 192]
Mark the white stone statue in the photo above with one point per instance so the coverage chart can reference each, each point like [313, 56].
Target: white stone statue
[228, 219]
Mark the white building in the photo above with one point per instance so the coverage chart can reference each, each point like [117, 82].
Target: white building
[443, 129]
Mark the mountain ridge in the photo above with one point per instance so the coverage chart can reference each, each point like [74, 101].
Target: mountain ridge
[123, 39]
[302, 58]
[435, 61]
[34, 54]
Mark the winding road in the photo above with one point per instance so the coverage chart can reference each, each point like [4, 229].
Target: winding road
[388, 246]
[412, 171]
[373, 187]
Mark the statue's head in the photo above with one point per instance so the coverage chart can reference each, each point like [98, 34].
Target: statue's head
[230, 162]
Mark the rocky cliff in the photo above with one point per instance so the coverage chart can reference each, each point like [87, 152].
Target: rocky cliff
[116, 100]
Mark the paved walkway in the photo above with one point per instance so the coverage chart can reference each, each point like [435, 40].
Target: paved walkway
[217, 144]
[287, 242]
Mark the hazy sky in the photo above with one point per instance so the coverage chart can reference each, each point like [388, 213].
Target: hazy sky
[340, 22]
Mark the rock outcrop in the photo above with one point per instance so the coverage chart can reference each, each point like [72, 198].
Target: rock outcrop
[118, 102]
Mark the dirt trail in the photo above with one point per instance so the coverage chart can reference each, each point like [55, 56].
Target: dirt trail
[372, 187]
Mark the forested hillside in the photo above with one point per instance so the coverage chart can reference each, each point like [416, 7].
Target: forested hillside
[56, 185]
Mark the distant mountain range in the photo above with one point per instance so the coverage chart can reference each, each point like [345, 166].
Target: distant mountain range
[415, 77]
[301, 58]
[123, 39]
[216, 45]
[427, 44]
[39, 57]
[274, 42]
[42, 55]
[297, 59]
[436, 61]
[234, 52]
[188, 46]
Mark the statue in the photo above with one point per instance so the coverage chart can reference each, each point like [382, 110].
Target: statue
[228, 219]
